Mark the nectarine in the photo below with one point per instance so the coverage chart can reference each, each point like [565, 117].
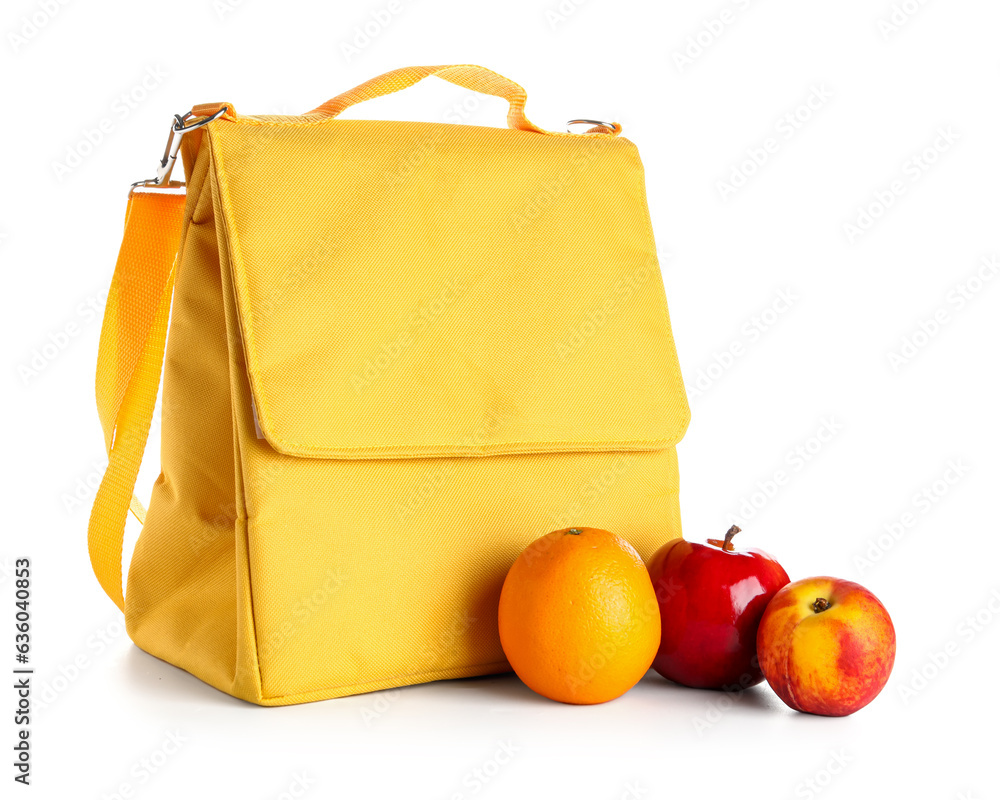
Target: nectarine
[826, 646]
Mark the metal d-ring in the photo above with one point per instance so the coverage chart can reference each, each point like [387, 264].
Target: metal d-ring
[177, 130]
[613, 126]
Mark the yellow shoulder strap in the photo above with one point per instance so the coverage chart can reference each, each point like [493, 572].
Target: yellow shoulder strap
[129, 361]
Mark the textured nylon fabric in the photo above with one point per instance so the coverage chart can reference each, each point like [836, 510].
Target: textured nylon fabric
[399, 353]
[476, 298]
[133, 336]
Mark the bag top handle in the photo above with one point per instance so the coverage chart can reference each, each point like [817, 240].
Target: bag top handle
[468, 76]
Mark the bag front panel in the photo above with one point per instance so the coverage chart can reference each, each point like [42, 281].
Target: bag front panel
[367, 574]
[375, 573]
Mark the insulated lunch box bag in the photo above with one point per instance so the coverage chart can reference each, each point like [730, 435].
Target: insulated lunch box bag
[398, 352]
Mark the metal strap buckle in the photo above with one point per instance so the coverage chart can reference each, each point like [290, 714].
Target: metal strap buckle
[177, 130]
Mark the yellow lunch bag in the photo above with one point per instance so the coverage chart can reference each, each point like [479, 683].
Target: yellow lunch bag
[398, 353]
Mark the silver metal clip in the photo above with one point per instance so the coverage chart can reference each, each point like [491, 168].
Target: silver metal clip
[177, 130]
[614, 127]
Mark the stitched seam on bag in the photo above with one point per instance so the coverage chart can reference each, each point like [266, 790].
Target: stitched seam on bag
[672, 358]
[245, 315]
[373, 452]
[320, 120]
[240, 289]
[380, 681]
[218, 171]
[241, 496]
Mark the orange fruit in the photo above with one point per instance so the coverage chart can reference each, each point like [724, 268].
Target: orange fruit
[579, 622]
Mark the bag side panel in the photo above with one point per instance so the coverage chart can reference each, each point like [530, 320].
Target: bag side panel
[181, 603]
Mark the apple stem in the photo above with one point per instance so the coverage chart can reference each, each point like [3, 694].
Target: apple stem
[821, 604]
[728, 543]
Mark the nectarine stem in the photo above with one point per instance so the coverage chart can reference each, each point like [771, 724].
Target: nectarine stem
[821, 604]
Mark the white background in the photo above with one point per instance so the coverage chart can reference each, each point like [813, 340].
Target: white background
[726, 259]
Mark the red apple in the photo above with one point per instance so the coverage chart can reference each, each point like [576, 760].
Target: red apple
[711, 599]
[826, 646]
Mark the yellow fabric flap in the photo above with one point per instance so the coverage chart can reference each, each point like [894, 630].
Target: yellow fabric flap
[411, 289]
